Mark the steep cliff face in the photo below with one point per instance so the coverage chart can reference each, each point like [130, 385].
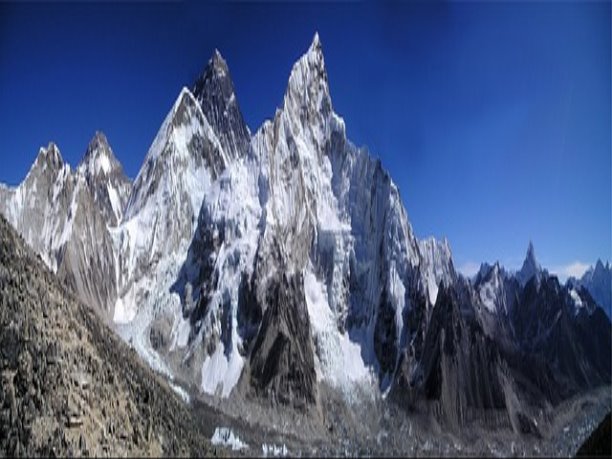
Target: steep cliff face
[214, 91]
[105, 179]
[88, 265]
[281, 364]
[461, 372]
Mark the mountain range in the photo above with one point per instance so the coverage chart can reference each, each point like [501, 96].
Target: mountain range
[281, 265]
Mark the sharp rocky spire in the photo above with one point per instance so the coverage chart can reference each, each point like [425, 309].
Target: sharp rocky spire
[214, 91]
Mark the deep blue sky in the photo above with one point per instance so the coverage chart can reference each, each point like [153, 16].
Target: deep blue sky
[494, 119]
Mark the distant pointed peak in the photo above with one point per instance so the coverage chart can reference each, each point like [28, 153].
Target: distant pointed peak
[216, 68]
[184, 95]
[97, 142]
[217, 58]
[99, 158]
[218, 64]
[315, 46]
[599, 265]
[314, 55]
[530, 266]
[530, 250]
[214, 92]
[184, 99]
[308, 83]
[51, 149]
[185, 102]
[50, 155]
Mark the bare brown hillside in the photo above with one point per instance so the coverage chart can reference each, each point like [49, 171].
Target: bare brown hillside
[69, 385]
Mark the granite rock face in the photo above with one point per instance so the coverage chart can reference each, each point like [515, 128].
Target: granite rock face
[282, 361]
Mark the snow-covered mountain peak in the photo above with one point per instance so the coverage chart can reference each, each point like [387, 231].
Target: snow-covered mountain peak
[49, 156]
[184, 109]
[316, 41]
[105, 178]
[530, 251]
[184, 144]
[530, 267]
[218, 63]
[99, 159]
[308, 85]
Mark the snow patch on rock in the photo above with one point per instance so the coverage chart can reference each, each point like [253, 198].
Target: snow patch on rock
[224, 436]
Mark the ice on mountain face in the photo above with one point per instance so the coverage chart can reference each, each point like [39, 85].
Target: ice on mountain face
[577, 300]
[221, 371]
[115, 202]
[230, 214]
[160, 219]
[490, 290]
[339, 358]
[100, 165]
[436, 265]
[154, 236]
[397, 291]
[125, 311]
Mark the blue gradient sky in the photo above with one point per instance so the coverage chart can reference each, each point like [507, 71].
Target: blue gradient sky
[494, 119]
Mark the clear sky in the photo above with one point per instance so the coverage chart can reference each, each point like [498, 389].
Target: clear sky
[494, 119]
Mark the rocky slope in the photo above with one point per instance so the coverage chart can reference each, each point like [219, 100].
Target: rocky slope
[69, 386]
